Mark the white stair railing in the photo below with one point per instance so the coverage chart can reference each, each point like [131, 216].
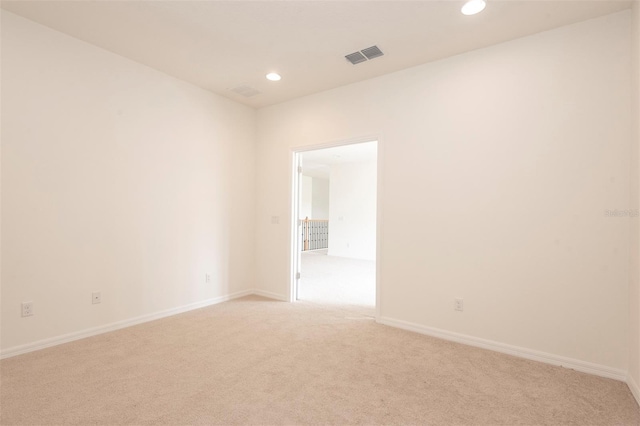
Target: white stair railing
[315, 234]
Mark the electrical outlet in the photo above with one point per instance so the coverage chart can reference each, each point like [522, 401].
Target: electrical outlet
[27, 309]
[458, 304]
[207, 278]
[96, 297]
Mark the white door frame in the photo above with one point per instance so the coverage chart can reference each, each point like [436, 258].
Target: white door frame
[295, 232]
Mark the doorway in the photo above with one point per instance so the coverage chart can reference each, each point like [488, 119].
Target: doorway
[335, 194]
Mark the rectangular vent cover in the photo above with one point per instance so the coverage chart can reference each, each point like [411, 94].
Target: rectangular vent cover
[372, 52]
[364, 55]
[246, 91]
[356, 58]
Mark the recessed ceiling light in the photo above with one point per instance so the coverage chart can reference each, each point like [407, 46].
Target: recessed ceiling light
[273, 76]
[473, 6]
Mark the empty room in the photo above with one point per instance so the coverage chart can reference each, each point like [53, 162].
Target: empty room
[148, 228]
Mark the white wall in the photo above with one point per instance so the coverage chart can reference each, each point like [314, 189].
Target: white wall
[116, 178]
[314, 198]
[497, 166]
[306, 197]
[634, 282]
[352, 221]
[320, 202]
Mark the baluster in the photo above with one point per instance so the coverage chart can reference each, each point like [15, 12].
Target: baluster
[314, 234]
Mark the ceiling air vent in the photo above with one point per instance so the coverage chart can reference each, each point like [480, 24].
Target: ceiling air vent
[246, 91]
[356, 58]
[364, 55]
[372, 52]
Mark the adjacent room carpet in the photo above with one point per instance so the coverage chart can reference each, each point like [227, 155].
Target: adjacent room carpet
[338, 281]
[255, 361]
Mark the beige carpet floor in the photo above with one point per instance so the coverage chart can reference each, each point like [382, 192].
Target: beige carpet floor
[259, 362]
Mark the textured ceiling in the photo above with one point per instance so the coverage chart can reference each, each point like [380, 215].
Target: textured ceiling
[218, 45]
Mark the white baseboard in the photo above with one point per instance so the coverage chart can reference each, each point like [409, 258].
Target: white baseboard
[635, 390]
[270, 295]
[586, 367]
[574, 364]
[54, 341]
